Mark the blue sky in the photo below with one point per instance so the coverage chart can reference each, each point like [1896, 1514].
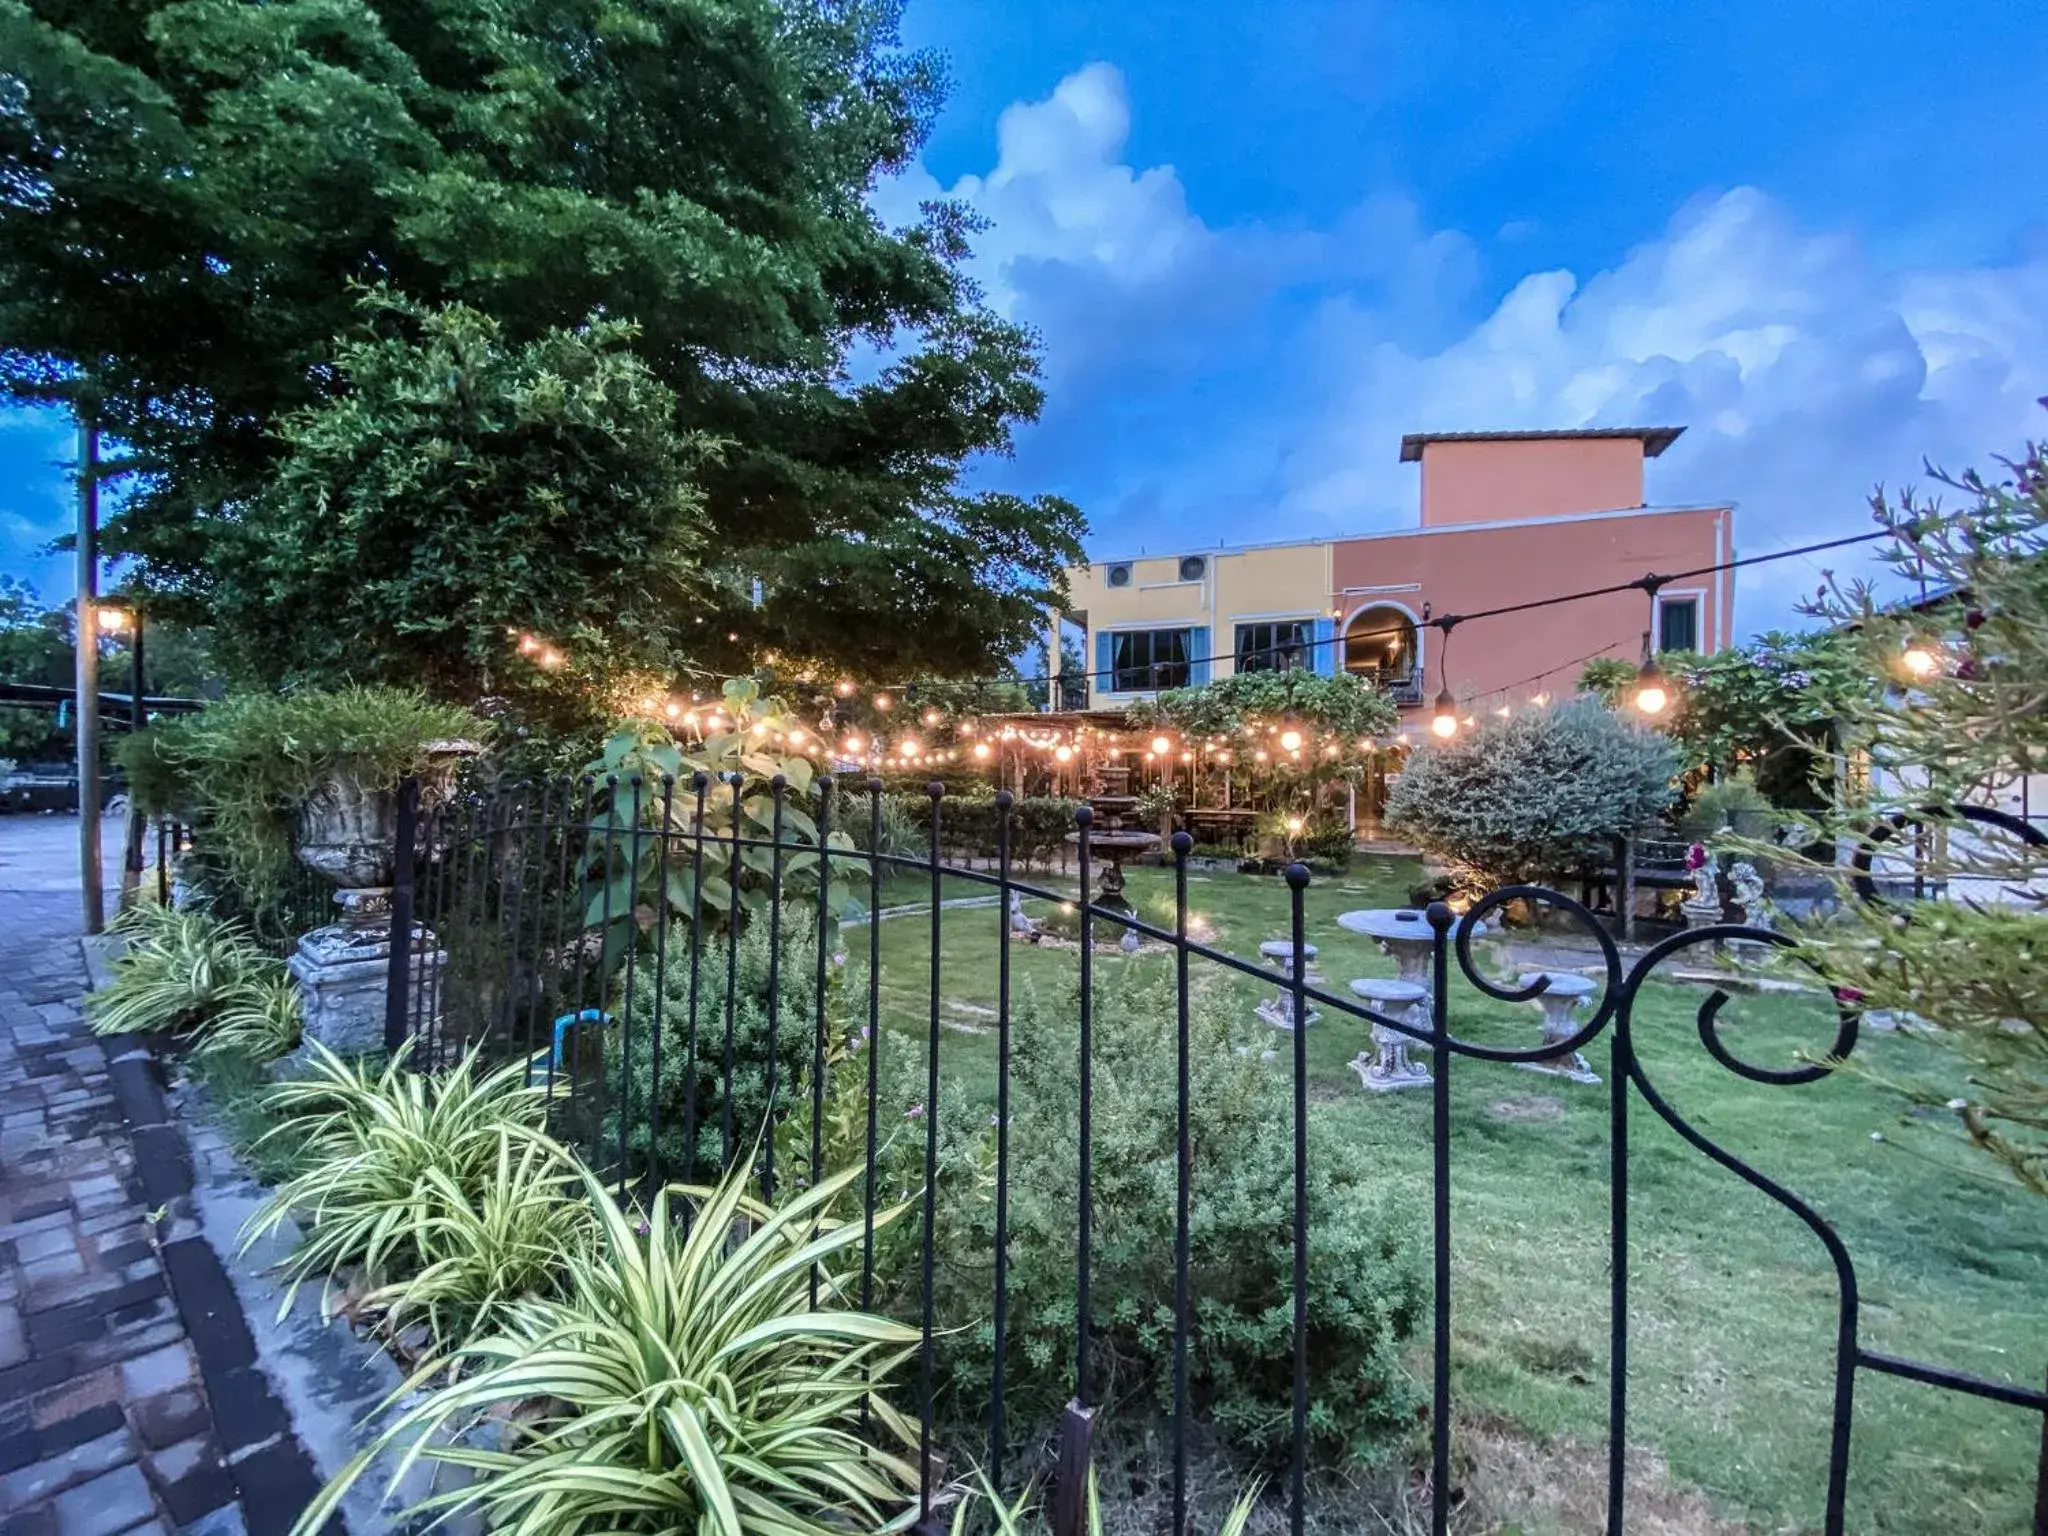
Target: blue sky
[1260, 242]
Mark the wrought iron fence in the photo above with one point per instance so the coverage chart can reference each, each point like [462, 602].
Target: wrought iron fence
[536, 921]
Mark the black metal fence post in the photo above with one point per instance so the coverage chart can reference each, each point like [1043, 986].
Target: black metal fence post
[396, 1022]
[1440, 920]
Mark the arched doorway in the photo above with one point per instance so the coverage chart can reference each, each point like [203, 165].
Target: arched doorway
[1381, 643]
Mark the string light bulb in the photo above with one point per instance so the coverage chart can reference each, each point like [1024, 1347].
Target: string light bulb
[550, 658]
[1920, 660]
[1295, 825]
[844, 688]
[672, 709]
[882, 701]
[851, 746]
[931, 717]
[1161, 746]
[908, 746]
[982, 751]
[1652, 694]
[1063, 753]
[1443, 718]
[1290, 740]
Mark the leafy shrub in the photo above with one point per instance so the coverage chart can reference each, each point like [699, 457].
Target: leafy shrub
[681, 1078]
[1158, 801]
[1535, 796]
[685, 1383]
[1733, 802]
[481, 1248]
[1331, 844]
[243, 767]
[392, 1160]
[1606, 678]
[180, 971]
[1366, 1286]
[259, 1018]
[903, 826]
[739, 765]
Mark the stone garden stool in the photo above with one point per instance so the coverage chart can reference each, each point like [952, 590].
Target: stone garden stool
[1567, 993]
[1388, 1067]
[1279, 953]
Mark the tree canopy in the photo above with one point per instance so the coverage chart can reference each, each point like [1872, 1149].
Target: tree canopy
[195, 195]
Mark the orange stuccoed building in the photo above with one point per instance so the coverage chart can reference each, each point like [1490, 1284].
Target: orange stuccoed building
[1506, 518]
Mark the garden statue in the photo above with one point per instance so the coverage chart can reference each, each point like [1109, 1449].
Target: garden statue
[1022, 924]
[1703, 907]
[1747, 886]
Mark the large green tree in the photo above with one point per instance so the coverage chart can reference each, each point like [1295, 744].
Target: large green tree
[193, 196]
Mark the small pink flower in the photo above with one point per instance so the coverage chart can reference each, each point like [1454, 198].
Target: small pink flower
[1695, 857]
[915, 1112]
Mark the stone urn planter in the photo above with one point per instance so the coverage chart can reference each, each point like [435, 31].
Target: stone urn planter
[348, 833]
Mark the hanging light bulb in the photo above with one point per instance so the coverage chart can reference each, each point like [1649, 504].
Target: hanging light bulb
[1161, 746]
[882, 701]
[795, 737]
[1295, 825]
[851, 746]
[1443, 719]
[907, 746]
[1187, 757]
[1651, 692]
[931, 717]
[1259, 756]
[1063, 753]
[982, 751]
[1223, 758]
[674, 710]
[844, 688]
[1920, 659]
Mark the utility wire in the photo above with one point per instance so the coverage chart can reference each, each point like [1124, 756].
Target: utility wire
[1647, 583]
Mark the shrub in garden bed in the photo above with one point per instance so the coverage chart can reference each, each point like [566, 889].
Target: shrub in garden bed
[193, 974]
[1534, 797]
[681, 1380]
[631, 1087]
[434, 1192]
[1367, 1290]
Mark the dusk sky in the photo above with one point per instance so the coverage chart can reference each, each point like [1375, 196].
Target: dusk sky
[1263, 241]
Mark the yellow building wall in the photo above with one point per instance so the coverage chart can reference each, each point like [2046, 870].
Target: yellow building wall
[1286, 581]
[1247, 585]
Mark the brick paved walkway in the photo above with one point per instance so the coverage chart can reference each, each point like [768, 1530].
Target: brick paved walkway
[130, 1401]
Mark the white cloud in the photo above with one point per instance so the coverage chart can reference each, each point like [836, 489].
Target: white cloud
[1201, 375]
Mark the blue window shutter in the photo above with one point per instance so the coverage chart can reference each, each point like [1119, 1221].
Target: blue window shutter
[1100, 682]
[1198, 655]
[1326, 648]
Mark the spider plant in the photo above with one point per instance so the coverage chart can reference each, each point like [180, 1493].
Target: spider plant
[179, 969]
[259, 1018]
[481, 1250]
[386, 1153]
[682, 1382]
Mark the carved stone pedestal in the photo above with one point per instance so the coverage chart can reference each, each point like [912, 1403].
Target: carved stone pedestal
[344, 973]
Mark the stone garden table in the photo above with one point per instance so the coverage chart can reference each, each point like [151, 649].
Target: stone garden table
[1404, 933]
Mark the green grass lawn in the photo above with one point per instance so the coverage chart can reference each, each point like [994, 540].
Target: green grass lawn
[1733, 1300]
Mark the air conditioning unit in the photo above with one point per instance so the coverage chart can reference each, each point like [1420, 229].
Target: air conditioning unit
[1120, 574]
[1193, 567]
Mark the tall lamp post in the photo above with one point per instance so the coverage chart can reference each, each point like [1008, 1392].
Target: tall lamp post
[87, 648]
[128, 620]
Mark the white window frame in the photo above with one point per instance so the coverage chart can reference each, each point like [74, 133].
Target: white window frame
[1697, 596]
